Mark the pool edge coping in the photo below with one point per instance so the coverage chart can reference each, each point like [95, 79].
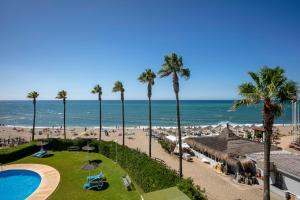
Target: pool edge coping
[50, 179]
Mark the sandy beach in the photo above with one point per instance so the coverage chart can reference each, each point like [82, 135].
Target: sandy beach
[202, 174]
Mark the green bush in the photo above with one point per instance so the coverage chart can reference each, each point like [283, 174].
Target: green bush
[193, 192]
[15, 153]
[146, 172]
[149, 174]
[167, 145]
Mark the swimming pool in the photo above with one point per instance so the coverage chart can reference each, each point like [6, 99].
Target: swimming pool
[18, 184]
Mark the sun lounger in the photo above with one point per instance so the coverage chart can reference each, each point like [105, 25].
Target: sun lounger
[127, 182]
[43, 154]
[95, 177]
[93, 185]
[40, 154]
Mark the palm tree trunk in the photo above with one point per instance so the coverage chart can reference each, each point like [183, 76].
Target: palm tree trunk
[150, 126]
[33, 126]
[268, 124]
[123, 122]
[100, 119]
[179, 135]
[65, 136]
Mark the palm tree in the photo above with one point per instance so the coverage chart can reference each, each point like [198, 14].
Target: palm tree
[63, 95]
[270, 86]
[148, 77]
[33, 95]
[98, 90]
[118, 87]
[173, 66]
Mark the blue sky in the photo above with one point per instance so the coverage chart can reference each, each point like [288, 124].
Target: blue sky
[73, 45]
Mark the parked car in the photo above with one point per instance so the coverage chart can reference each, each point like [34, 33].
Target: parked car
[187, 157]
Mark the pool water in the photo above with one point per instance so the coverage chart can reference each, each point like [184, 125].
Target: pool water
[18, 184]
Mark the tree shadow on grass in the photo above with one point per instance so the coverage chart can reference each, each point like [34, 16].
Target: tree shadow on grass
[105, 185]
[96, 161]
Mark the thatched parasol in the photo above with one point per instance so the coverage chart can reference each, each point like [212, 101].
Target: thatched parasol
[88, 148]
[41, 144]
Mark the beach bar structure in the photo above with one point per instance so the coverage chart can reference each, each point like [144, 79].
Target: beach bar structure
[229, 149]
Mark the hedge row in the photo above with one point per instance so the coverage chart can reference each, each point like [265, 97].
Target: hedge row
[15, 153]
[149, 174]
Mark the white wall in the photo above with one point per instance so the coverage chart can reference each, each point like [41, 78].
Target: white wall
[292, 185]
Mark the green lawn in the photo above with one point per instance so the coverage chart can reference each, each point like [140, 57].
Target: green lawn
[170, 193]
[72, 177]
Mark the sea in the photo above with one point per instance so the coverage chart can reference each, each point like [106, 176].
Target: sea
[85, 113]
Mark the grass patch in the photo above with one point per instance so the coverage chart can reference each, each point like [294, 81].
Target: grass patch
[72, 177]
[171, 193]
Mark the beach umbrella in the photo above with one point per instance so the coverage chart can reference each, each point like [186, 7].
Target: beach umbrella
[88, 148]
[89, 166]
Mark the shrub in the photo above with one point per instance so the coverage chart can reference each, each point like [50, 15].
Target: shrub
[167, 145]
[149, 174]
[146, 172]
[193, 192]
[15, 153]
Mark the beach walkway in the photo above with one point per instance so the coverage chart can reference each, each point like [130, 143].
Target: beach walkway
[217, 186]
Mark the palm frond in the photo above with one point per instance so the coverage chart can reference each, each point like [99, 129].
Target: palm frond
[277, 109]
[32, 95]
[173, 63]
[142, 78]
[248, 90]
[243, 102]
[288, 91]
[97, 89]
[255, 78]
[118, 87]
[185, 72]
[62, 94]
[147, 76]
[164, 72]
